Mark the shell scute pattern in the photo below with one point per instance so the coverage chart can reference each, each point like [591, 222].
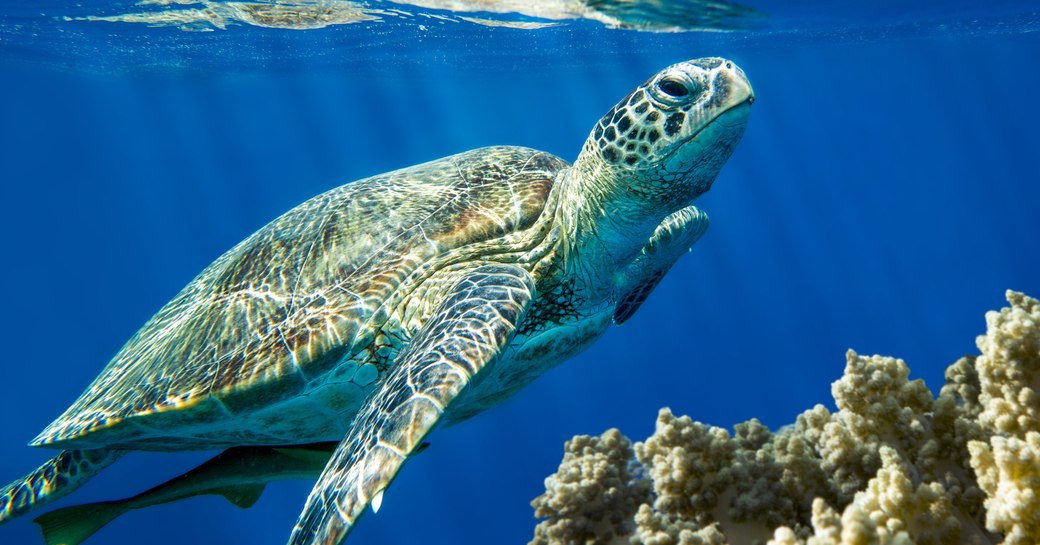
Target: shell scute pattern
[312, 290]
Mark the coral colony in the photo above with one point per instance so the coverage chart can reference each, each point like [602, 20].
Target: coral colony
[892, 466]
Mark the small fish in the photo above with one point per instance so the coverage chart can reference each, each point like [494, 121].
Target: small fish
[238, 474]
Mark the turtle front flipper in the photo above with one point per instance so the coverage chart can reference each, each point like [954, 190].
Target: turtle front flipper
[468, 331]
[56, 478]
[672, 238]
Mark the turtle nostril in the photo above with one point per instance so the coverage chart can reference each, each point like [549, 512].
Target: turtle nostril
[750, 100]
[729, 65]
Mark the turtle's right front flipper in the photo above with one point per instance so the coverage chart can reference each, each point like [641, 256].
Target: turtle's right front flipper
[672, 238]
[466, 333]
[54, 479]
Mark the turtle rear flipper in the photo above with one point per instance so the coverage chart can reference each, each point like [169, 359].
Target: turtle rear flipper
[53, 480]
[238, 474]
[72, 525]
[467, 333]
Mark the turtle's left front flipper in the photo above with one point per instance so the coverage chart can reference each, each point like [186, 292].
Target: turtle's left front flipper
[467, 332]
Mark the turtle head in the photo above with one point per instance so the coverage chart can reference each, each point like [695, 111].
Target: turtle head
[662, 145]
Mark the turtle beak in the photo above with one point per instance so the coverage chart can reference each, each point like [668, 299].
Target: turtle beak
[740, 91]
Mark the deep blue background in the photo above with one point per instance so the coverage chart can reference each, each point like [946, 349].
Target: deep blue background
[884, 197]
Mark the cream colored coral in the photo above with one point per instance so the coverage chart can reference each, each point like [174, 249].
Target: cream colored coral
[878, 406]
[891, 466]
[593, 496]
[1008, 463]
[1009, 472]
[1009, 367]
[853, 527]
[656, 528]
[899, 509]
[689, 464]
[955, 419]
[890, 511]
[692, 469]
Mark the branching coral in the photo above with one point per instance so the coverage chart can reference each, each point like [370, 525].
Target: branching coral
[892, 466]
[1006, 455]
[594, 495]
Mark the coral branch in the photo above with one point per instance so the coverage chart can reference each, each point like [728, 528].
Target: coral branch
[892, 466]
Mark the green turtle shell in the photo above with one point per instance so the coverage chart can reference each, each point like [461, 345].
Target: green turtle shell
[343, 277]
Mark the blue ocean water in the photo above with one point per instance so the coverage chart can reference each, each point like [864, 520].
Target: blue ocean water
[886, 193]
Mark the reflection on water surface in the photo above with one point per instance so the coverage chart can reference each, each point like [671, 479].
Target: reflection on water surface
[649, 15]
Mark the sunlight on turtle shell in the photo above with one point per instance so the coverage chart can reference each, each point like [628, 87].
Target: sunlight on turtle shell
[649, 15]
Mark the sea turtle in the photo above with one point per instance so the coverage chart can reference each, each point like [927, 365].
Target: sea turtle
[371, 313]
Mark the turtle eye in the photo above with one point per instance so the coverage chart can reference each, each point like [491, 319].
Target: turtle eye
[673, 87]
